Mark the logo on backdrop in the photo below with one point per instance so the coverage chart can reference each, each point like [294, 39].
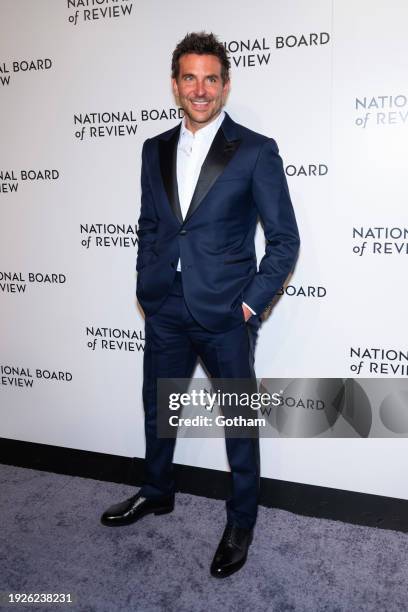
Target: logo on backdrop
[17, 282]
[375, 111]
[307, 291]
[306, 170]
[108, 235]
[119, 123]
[18, 67]
[379, 361]
[114, 339]
[380, 240]
[25, 377]
[94, 10]
[257, 51]
[10, 179]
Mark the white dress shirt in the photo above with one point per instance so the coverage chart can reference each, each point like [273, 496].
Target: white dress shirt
[192, 149]
[191, 152]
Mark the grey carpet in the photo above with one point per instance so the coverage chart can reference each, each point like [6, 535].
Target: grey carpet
[51, 541]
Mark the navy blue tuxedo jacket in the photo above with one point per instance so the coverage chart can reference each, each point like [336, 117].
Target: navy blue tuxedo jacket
[241, 178]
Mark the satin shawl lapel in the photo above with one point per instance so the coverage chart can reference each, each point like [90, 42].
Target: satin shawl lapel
[168, 169]
[219, 154]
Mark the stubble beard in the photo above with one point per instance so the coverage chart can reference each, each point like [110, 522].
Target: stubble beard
[196, 117]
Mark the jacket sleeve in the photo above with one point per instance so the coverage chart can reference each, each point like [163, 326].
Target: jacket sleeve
[147, 224]
[271, 196]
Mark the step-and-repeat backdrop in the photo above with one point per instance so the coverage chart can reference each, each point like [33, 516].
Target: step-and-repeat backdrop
[82, 84]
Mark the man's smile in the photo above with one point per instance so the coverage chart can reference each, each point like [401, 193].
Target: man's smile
[200, 104]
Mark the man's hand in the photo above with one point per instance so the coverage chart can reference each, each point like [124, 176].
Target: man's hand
[247, 312]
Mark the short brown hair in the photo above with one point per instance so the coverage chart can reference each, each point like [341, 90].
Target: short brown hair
[201, 43]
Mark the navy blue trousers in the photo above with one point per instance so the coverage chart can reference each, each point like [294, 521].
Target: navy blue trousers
[173, 342]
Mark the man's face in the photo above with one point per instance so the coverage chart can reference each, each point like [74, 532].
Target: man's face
[199, 89]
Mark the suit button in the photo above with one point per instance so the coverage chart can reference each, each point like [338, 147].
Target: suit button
[183, 232]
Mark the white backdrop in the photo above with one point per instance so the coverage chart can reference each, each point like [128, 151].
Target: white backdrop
[82, 84]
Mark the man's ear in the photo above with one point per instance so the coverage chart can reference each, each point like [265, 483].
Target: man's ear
[226, 89]
[175, 88]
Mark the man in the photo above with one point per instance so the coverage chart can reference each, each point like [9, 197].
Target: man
[204, 183]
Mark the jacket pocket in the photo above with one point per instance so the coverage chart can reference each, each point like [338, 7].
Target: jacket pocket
[240, 260]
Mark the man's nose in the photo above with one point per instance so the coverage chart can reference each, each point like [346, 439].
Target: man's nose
[200, 89]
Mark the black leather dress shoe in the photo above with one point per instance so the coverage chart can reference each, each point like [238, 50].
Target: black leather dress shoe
[135, 508]
[232, 551]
